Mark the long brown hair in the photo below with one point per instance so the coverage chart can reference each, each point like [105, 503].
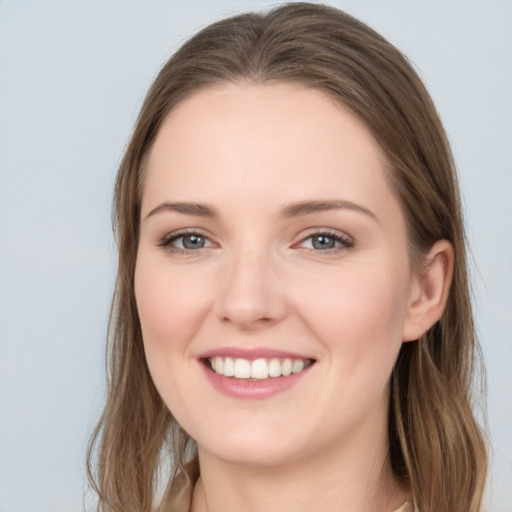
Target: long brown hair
[436, 445]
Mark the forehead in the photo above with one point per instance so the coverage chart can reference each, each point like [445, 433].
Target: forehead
[245, 140]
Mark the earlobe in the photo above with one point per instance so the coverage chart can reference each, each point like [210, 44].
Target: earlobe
[429, 292]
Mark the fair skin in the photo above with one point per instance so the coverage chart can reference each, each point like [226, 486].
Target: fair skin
[267, 224]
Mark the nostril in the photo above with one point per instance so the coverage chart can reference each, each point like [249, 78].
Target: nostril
[247, 320]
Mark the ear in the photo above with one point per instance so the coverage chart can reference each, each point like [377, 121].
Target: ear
[429, 291]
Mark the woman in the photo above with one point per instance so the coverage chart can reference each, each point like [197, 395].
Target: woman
[291, 327]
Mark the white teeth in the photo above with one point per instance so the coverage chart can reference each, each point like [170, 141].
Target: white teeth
[218, 364]
[286, 367]
[298, 366]
[242, 369]
[258, 369]
[229, 367]
[274, 368]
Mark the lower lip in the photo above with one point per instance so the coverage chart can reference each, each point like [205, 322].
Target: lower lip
[253, 389]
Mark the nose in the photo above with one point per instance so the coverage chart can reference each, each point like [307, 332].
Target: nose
[251, 293]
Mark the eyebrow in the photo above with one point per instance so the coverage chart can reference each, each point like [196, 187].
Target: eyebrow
[298, 209]
[308, 207]
[196, 209]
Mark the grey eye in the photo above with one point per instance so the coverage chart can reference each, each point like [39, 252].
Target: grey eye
[192, 241]
[186, 242]
[323, 242]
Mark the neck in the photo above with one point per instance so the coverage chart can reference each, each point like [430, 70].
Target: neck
[355, 477]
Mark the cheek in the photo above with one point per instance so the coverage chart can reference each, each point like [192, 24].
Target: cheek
[359, 323]
[358, 317]
[170, 305]
[171, 310]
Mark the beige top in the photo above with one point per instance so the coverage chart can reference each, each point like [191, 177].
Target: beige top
[179, 495]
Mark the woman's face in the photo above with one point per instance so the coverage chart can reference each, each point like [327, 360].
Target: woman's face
[271, 243]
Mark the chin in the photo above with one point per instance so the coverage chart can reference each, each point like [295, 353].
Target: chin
[242, 448]
[253, 456]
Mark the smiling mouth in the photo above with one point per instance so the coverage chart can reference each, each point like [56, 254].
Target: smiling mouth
[257, 369]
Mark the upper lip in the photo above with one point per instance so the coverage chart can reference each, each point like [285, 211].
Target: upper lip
[251, 353]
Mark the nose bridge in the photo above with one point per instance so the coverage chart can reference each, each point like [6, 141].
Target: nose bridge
[251, 292]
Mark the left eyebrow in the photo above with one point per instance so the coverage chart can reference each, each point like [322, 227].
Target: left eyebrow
[308, 207]
[196, 209]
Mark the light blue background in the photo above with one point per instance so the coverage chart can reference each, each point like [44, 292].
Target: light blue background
[72, 78]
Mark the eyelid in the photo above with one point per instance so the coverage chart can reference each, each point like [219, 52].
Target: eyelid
[167, 240]
[343, 240]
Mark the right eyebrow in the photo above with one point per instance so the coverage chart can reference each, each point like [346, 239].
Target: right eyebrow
[195, 209]
[315, 206]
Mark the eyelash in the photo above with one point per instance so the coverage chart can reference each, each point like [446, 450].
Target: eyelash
[167, 241]
[344, 242]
